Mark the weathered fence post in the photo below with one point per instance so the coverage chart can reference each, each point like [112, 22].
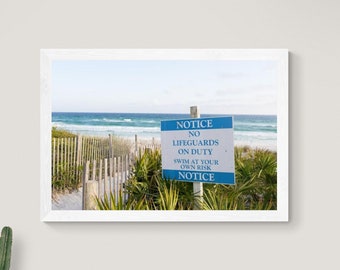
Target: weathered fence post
[85, 179]
[136, 146]
[53, 157]
[115, 182]
[79, 156]
[100, 180]
[111, 179]
[110, 147]
[90, 189]
[105, 178]
[91, 194]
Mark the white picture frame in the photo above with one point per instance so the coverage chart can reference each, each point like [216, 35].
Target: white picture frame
[47, 56]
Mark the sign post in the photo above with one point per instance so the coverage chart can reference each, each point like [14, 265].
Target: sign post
[198, 186]
[198, 150]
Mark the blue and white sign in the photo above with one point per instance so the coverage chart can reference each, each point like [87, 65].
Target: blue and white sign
[199, 150]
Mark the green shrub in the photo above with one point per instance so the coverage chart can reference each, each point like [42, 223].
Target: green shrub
[66, 177]
[255, 188]
[61, 133]
[145, 177]
[118, 202]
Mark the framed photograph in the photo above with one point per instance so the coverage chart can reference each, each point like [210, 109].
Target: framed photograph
[164, 135]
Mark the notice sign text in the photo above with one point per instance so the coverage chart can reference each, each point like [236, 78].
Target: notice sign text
[199, 150]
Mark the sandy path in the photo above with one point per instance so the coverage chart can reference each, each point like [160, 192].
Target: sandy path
[68, 201]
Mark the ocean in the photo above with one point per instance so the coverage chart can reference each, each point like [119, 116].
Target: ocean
[252, 130]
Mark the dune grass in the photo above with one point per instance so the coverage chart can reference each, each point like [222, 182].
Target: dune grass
[255, 188]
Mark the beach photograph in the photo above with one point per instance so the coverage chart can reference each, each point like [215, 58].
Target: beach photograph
[106, 136]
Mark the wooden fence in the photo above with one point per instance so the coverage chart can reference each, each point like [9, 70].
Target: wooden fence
[70, 154]
[106, 176]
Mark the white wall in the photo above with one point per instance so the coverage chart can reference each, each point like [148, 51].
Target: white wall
[309, 29]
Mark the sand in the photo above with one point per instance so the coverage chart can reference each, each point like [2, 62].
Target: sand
[68, 201]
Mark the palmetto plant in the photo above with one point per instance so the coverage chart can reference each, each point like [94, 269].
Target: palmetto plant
[223, 197]
[259, 167]
[255, 188]
[168, 198]
[145, 177]
[118, 202]
[147, 190]
[160, 194]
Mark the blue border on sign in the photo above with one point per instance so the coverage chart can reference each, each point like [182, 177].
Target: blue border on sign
[194, 123]
[206, 177]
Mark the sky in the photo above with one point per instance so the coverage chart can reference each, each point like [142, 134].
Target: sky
[165, 86]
